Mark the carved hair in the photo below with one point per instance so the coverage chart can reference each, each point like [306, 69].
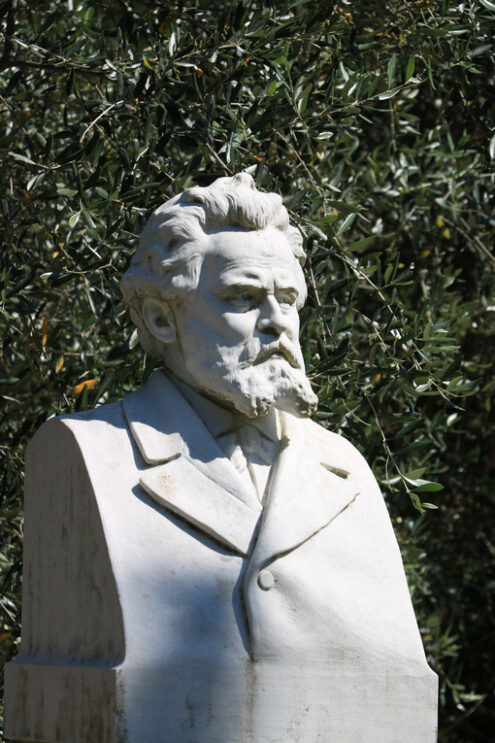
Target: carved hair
[168, 261]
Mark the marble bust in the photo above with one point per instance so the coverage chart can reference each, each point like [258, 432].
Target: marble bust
[203, 563]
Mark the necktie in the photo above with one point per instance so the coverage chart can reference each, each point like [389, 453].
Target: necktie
[251, 453]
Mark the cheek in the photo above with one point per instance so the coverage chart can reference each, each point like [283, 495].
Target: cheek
[236, 327]
[293, 325]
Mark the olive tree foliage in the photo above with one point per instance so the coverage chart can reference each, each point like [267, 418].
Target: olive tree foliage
[376, 120]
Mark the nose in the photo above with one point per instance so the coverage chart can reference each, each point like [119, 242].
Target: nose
[271, 319]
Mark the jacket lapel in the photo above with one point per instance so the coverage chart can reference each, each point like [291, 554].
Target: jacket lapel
[307, 491]
[192, 477]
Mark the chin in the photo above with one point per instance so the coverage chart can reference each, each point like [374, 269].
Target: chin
[253, 391]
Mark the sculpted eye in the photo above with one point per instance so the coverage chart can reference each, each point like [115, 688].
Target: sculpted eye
[286, 299]
[241, 298]
[247, 296]
[244, 299]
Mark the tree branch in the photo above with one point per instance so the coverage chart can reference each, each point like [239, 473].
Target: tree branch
[9, 35]
[22, 63]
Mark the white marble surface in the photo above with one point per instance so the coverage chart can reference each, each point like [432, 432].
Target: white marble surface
[165, 599]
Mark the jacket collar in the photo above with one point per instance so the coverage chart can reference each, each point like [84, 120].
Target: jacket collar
[191, 476]
[189, 473]
[308, 489]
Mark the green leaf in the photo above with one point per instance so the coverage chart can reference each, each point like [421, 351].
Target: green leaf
[272, 87]
[284, 62]
[346, 223]
[22, 158]
[302, 99]
[391, 69]
[410, 67]
[387, 94]
[414, 474]
[362, 244]
[423, 486]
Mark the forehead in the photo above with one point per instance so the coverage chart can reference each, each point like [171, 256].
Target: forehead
[263, 255]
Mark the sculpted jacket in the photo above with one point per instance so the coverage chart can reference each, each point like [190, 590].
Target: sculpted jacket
[162, 604]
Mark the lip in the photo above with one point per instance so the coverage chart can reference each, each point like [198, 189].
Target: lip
[269, 356]
[276, 355]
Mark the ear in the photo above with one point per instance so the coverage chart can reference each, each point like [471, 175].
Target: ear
[159, 319]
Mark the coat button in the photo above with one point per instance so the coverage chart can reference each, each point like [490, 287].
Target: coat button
[265, 580]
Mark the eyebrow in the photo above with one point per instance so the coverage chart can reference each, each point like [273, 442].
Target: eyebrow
[245, 279]
[235, 279]
[239, 286]
[239, 277]
[228, 289]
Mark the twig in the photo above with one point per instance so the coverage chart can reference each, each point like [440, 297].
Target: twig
[490, 547]
[22, 63]
[475, 239]
[326, 329]
[11, 616]
[107, 109]
[361, 275]
[218, 158]
[9, 35]
[48, 60]
[317, 187]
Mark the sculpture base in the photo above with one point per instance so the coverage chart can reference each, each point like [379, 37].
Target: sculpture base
[267, 704]
[41, 705]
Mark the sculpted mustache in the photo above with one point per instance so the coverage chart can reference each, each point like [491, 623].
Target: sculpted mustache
[277, 348]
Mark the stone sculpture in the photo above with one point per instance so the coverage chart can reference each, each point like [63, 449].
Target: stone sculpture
[203, 563]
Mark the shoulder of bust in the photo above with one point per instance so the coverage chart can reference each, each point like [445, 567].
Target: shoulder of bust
[320, 434]
[110, 413]
[333, 448]
[107, 418]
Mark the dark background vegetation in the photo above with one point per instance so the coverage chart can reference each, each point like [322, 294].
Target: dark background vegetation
[376, 120]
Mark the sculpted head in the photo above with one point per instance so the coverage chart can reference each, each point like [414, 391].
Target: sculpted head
[215, 288]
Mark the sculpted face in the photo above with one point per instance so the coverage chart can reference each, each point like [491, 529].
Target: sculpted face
[237, 334]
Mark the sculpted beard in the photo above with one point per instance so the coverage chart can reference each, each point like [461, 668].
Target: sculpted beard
[261, 377]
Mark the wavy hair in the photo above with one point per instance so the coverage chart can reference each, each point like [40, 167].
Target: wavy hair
[169, 257]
